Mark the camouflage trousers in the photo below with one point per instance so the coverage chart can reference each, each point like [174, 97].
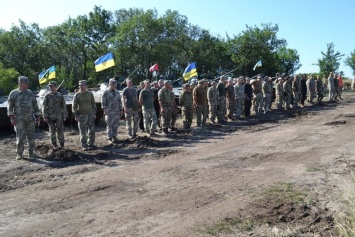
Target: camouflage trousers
[212, 112]
[25, 127]
[332, 93]
[312, 95]
[166, 118]
[201, 114]
[56, 126]
[221, 108]
[239, 107]
[287, 101]
[131, 116]
[150, 120]
[87, 123]
[112, 120]
[187, 115]
[267, 102]
[173, 117]
[258, 103]
[230, 108]
[296, 98]
[280, 101]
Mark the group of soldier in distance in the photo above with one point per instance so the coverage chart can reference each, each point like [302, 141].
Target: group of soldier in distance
[154, 105]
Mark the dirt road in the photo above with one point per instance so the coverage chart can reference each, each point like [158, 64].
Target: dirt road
[279, 173]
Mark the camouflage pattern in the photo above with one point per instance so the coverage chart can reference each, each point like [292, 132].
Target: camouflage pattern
[319, 89]
[239, 95]
[296, 93]
[185, 101]
[287, 86]
[150, 120]
[174, 110]
[87, 123]
[267, 90]
[279, 95]
[22, 105]
[212, 98]
[201, 114]
[331, 88]
[111, 103]
[311, 89]
[131, 117]
[231, 101]
[55, 110]
[258, 103]
[221, 108]
[165, 97]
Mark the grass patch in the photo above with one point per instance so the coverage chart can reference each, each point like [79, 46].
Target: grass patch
[313, 169]
[230, 226]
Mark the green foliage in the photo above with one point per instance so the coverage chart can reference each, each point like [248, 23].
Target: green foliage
[8, 79]
[330, 61]
[350, 61]
[289, 60]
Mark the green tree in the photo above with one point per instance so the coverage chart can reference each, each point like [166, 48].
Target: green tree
[350, 61]
[330, 61]
[289, 60]
[8, 79]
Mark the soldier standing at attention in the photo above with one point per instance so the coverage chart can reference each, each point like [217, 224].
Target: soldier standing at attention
[303, 83]
[212, 98]
[164, 98]
[248, 92]
[287, 87]
[311, 88]
[140, 114]
[296, 92]
[146, 99]
[279, 94]
[319, 89]
[112, 107]
[174, 110]
[258, 96]
[221, 87]
[331, 86]
[239, 95]
[84, 110]
[336, 86]
[200, 101]
[185, 101]
[54, 113]
[267, 89]
[131, 107]
[23, 113]
[230, 99]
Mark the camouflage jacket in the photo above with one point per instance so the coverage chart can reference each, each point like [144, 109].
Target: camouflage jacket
[212, 96]
[267, 88]
[22, 104]
[84, 103]
[164, 96]
[185, 100]
[111, 101]
[239, 91]
[172, 100]
[279, 89]
[287, 88]
[311, 85]
[295, 86]
[54, 106]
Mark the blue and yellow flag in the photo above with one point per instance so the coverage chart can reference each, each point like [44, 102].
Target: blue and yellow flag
[190, 71]
[104, 62]
[258, 64]
[44, 76]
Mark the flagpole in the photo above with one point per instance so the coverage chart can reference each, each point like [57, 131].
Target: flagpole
[134, 71]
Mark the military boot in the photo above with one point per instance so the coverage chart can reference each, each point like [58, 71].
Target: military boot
[19, 156]
[62, 144]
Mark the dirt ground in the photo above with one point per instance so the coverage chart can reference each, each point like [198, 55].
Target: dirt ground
[280, 174]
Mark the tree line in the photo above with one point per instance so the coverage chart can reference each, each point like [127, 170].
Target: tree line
[137, 37]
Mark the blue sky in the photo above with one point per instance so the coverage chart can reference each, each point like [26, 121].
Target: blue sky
[307, 25]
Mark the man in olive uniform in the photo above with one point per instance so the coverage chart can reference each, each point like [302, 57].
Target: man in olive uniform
[146, 99]
[112, 106]
[131, 107]
[54, 113]
[296, 92]
[319, 89]
[174, 110]
[164, 98]
[331, 86]
[239, 95]
[287, 86]
[257, 95]
[200, 102]
[186, 103]
[23, 112]
[84, 110]
[267, 90]
[221, 87]
[230, 96]
[279, 94]
[212, 98]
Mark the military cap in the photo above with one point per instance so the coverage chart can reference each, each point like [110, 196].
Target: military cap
[52, 83]
[112, 81]
[129, 79]
[82, 82]
[200, 82]
[23, 79]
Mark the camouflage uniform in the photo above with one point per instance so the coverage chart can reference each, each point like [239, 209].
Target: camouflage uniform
[200, 100]
[221, 102]
[173, 110]
[212, 98]
[23, 106]
[319, 89]
[311, 88]
[131, 114]
[149, 113]
[267, 90]
[331, 88]
[87, 119]
[112, 104]
[258, 96]
[55, 110]
[279, 95]
[185, 101]
[288, 93]
[239, 94]
[296, 92]
[165, 97]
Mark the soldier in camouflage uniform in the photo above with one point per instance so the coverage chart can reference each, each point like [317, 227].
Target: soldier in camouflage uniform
[287, 86]
[23, 113]
[200, 102]
[221, 87]
[319, 89]
[146, 99]
[279, 93]
[84, 110]
[212, 98]
[186, 101]
[54, 113]
[267, 90]
[239, 95]
[164, 98]
[131, 107]
[174, 110]
[296, 92]
[311, 88]
[112, 106]
[258, 96]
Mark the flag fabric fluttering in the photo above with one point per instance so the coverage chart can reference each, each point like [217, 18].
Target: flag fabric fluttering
[258, 64]
[44, 76]
[153, 68]
[104, 62]
[190, 71]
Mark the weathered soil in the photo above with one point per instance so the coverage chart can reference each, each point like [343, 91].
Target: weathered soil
[280, 174]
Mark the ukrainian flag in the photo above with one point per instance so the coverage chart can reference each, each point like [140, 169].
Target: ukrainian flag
[44, 76]
[104, 62]
[190, 71]
[258, 64]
